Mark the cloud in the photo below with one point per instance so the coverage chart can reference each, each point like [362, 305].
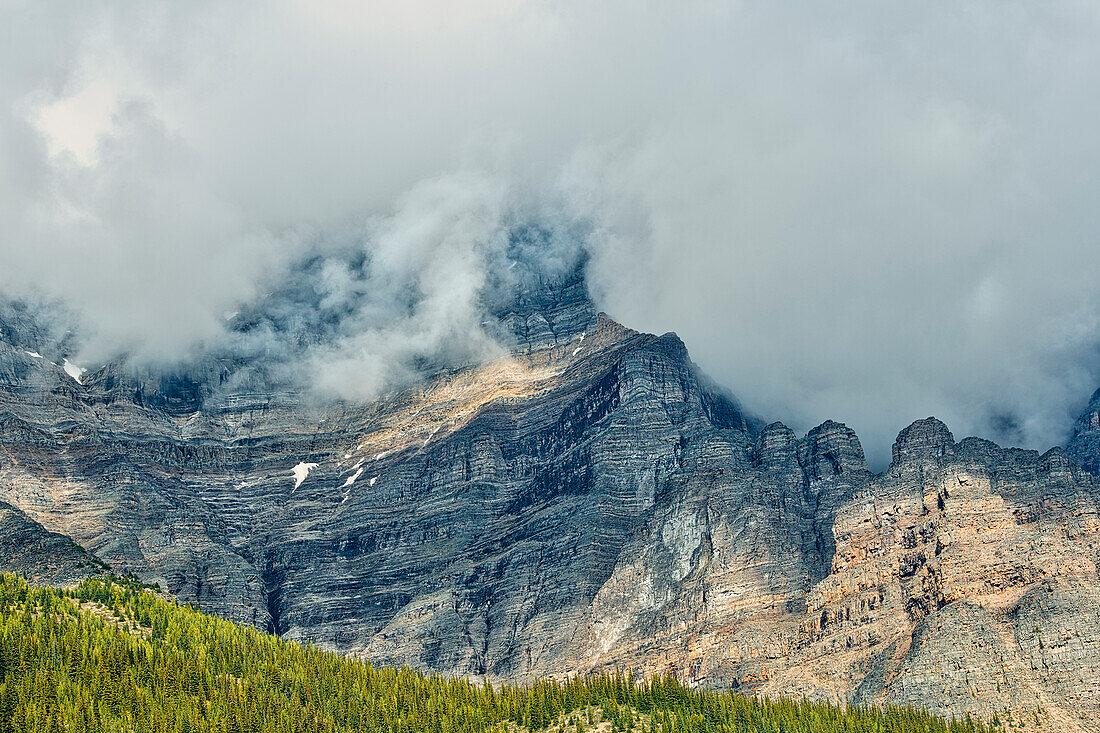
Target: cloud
[893, 222]
[870, 213]
[420, 292]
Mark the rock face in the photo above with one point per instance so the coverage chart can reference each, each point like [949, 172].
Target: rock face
[40, 556]
[547, 311]
[940, 563]
[1084, 446]
[589, 501]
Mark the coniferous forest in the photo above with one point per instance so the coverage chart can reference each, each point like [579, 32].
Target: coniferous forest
[111, 655]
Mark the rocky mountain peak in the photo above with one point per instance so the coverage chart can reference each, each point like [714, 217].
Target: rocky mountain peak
[588, 501]
[924, 440]
[776, 447]
[545, 311]
[831, 449]
[1084, 446]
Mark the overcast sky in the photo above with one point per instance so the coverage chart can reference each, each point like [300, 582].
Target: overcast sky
[865, 211]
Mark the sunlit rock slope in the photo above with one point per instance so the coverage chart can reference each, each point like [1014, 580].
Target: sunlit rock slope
[588, 501]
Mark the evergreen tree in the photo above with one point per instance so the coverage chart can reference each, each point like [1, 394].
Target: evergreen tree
[127, 660]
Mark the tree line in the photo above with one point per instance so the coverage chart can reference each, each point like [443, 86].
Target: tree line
[111, 656]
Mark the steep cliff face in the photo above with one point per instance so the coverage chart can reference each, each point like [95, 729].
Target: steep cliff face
[1084, 446]
[962, 579]
[940, 566]
[588, 501]
[40, 556]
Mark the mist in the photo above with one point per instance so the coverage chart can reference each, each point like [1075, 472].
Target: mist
[870, 213]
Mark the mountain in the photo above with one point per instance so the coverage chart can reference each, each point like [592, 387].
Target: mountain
[586, 502]
[121, 658]
[41, 556]
[1084, 446]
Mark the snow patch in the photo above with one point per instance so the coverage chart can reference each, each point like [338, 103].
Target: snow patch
[74, 371]
[301, 471]
[35, 354]
[576, 351]
[371, 482]
[351, 479]
[381, 455]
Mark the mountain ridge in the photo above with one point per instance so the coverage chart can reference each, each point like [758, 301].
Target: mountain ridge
[589, 501]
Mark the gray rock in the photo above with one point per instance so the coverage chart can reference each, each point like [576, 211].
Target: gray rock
[590, 501]
[27, 549]
[1084, 446]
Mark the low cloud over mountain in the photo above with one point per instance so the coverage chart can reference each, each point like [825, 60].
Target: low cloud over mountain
[871, 213]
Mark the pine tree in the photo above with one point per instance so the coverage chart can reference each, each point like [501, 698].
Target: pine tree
[64, 668]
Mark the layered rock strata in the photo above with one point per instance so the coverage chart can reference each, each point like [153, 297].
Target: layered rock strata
[40, 556]
[589, 501]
